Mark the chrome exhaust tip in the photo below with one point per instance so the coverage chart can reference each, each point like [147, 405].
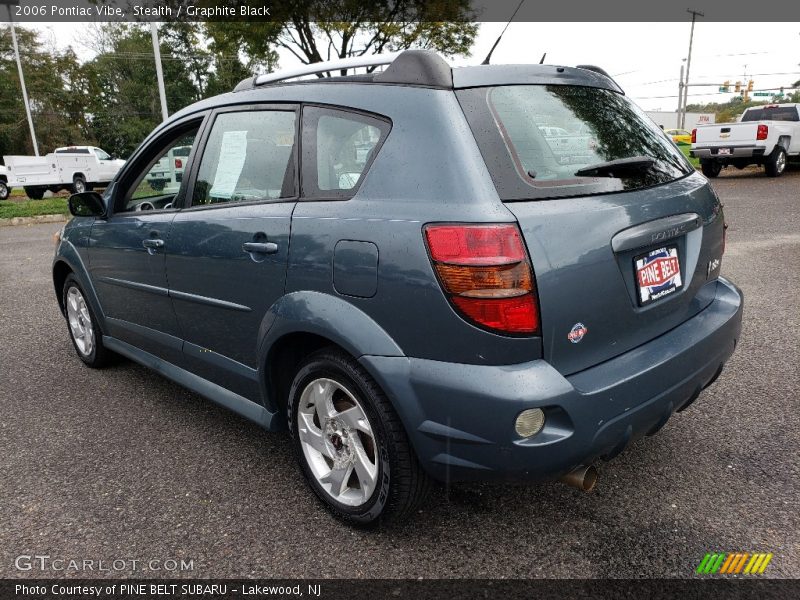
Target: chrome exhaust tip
[584, 478]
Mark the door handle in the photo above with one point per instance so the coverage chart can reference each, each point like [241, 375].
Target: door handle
[260, 247]
[153, 243]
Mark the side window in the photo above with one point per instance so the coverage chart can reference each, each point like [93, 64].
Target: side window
[338, 147]
[159, 182]
[249, 156]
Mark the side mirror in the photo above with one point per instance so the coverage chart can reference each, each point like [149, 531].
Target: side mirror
[87, 204]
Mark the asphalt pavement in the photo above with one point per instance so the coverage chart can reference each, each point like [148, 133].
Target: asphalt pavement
[121, 464]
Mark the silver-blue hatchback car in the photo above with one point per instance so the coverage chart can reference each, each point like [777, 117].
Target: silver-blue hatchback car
[425, 273]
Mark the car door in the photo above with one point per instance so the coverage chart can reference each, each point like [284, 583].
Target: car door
[127, 252]
[226, 260]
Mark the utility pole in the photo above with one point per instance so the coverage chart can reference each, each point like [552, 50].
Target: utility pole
[695, 14]
[9, 4]
[159, 72]
[680, 100]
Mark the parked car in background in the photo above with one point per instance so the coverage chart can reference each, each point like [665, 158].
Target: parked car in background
[5, 189]
[679, 136]
[401, 270]
[167, 173]
[75, 168]
[765, 135]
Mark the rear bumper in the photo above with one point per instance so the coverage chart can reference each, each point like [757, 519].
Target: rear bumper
[712, 152]
[460, 418]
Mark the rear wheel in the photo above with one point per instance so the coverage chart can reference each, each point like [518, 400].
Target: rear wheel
[78, 184]
[4, 191]
[711, 168]
[776, 163]
[351, 445]
[87, 338]
[34, 192]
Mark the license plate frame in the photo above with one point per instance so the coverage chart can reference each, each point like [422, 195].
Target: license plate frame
[724, 151]
[657, 274]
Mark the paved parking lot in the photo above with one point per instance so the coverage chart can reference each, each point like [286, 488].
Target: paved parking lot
[122, 464]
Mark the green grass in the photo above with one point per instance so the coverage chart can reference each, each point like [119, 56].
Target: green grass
[685, 149]
[31, 208]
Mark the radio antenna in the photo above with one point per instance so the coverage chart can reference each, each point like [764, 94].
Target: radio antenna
[541, 62]
[497, 41]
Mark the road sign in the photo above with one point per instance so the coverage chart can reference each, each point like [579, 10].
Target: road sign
[763, 94]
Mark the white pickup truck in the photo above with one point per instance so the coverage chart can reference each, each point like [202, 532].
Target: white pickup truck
[75, 168]
[764, 135]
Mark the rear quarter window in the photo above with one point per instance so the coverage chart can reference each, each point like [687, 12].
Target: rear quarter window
[536, 138]
[338, 148]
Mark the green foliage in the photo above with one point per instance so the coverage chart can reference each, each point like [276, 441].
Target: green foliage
[317, 30]
[56, 91]
[728, 112]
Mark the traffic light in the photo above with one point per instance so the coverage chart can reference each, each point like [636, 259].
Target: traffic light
[726, 86]
[738, 87]
[750, 86]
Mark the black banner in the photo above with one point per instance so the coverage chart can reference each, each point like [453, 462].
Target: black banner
[346, 589]
[394, 10]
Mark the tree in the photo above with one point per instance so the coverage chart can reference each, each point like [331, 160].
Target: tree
[123, 103]
[56, 92]
[319, 30]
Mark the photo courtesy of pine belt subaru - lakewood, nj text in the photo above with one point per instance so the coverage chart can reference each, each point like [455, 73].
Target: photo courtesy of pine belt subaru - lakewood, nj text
[424, 273]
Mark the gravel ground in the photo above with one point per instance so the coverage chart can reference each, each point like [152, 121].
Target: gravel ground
[122, 464]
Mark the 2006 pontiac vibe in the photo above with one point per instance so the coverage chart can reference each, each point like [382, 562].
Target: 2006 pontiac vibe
[424, 273]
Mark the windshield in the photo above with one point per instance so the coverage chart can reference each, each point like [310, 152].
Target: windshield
[771, 113]
[538, 139]
[101, 154]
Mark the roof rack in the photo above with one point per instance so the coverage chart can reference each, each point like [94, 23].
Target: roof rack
[409, 67]
[374, 60]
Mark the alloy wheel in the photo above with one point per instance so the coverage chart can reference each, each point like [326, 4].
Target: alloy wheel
[338, 442]
[80, 322]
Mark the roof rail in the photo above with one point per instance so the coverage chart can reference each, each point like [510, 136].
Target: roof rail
[373, 60]
[409, 67]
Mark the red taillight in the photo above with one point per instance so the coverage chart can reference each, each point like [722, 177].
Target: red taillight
[694, 136]
[178, 163]
[762, 133]
[485, 273]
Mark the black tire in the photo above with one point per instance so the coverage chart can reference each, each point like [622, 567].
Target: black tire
[4, 191]
[99, 356]
[158, 185]
[711, 168]
[402, 484]
[776, 163]
[34, 192]
[79, 184]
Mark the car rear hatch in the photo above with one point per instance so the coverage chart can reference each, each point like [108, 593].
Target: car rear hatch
[623, 235]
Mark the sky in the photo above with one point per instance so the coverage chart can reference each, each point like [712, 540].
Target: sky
[644, 58]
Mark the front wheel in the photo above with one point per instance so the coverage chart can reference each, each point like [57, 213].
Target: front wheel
[4, 191]
[350, 443]
[711, 168]
[84, 330]
[776, 163]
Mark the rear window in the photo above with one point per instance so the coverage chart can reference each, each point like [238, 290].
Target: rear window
[536, 139]
[771, 113]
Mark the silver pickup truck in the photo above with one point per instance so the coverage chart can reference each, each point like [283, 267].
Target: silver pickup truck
[765, 135]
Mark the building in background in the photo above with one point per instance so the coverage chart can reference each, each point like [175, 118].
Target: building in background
[669, 120]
